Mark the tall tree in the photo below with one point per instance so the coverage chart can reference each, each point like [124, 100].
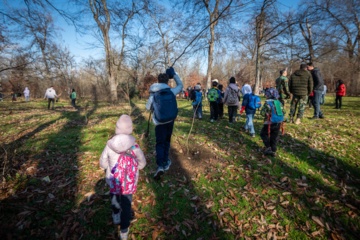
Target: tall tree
[269, 25]
[101, 15]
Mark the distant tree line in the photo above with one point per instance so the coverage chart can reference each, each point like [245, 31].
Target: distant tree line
[204, 39]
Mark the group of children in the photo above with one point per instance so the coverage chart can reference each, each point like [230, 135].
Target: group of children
[272, 110]
[122, 158]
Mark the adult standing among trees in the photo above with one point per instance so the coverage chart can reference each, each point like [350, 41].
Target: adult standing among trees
[340, 92]
[300, 86]
[282, 86]
[231, 99]
[318, 89]
[162, 106]
[50, 94]
[73, 98]
[27, 94]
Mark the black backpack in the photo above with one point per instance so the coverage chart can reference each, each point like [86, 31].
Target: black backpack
[165, 106]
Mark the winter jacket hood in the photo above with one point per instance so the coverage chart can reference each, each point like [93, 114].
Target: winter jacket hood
[124, 125]
[121, 142]
[246, 89]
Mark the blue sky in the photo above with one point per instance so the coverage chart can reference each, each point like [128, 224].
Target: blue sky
[78, 45]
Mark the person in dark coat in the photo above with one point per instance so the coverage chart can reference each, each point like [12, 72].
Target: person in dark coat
[318, 89]
[300, 86]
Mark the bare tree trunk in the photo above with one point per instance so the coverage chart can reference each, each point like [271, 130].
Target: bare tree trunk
[308, 38]
[210, 55]
[103, 23]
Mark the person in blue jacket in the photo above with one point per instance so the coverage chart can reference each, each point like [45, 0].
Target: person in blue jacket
[197, 103]
[250, 113]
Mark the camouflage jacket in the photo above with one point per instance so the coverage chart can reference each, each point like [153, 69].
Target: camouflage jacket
[282, 85]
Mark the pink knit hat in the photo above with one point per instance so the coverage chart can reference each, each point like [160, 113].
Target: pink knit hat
[124, 125]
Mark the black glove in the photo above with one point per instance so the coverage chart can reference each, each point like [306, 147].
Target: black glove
[170, 72]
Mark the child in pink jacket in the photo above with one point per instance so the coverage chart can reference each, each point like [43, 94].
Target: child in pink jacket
[122, 142]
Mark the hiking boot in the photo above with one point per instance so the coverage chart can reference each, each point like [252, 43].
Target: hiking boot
[298, 121]
[116, 218]
[124, 235]
[269, 152]
[167, 166]
[322, 117]
[158, 173]
[314, 118]
[252, 135]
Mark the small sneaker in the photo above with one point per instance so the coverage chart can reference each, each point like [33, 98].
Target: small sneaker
[314, 118]
[211, 120]
[124, 235]
[158, 173]
[298, 121]
[167, 166]
[252, 135]
[116, 218]
[322, 117]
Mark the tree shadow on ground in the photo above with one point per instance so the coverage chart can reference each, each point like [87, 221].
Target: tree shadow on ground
[335, 180]
[42, 204]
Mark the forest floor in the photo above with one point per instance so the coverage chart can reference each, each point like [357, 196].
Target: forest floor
[219, 186]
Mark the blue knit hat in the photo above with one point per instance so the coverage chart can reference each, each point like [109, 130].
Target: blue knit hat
[272, 93]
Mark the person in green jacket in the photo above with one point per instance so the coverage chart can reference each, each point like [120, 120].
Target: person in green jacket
[300, 86]
[73, 98]
[282, 86]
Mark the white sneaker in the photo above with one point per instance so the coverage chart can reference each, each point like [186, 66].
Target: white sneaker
[116, 218]
[125, 235]
[167, 165]
[158, 173]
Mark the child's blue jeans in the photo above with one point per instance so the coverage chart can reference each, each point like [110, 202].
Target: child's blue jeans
[198, 111]
[249, 125]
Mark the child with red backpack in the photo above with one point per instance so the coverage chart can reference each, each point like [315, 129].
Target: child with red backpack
[122, 158]
[273, 111]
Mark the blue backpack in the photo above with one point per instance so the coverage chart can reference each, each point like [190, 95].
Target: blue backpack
[277, 115]
[254, 102]
[165, 106]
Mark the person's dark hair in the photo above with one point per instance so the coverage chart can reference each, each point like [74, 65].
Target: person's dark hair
[303, 66]
[282, 71]
[163, 78]
[73, 90]
[232, 80]
[310, 64]
[214, 84]
[199, 83]
[340, 81]
[220, 87]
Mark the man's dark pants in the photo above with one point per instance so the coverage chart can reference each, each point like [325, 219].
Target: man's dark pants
[163, 134]
[51, 100]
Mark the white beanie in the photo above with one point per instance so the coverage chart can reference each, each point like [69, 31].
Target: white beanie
[124, 125]
[215, 80]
